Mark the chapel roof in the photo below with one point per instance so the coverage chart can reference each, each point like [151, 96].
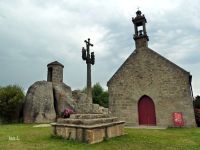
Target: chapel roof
[154, 53]
[55, 63]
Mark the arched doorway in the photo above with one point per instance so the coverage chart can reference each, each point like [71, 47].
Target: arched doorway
[146, 111]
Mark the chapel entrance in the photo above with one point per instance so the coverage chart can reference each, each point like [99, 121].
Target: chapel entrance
[146, 111]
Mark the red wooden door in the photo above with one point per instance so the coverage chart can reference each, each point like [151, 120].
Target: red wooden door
[146, 111]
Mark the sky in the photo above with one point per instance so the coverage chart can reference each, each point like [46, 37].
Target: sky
[34, 33]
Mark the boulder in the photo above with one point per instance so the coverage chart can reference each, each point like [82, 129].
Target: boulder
[81, 102]
[62, 97]
[82, 105]
[39, 103]
[79, 97]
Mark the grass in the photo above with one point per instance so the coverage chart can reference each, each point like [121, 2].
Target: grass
[136, 139]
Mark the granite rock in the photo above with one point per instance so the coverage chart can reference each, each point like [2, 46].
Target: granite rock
[39, 103]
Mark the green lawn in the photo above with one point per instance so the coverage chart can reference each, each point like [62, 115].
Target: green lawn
[136, 139]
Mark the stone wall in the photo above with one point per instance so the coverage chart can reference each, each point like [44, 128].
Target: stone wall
[55, 72]
[89, 128]
[147, 73]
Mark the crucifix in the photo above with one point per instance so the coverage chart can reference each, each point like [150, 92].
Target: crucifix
[90, 59]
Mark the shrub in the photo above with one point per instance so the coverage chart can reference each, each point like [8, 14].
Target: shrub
[197, 116]
[11, 100]
[99, 96]
[196, 103]
[67, 112]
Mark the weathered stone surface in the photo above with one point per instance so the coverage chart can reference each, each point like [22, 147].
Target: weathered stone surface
[39, 103]
[88, 116]
[96, 108]
[82, 106]
[46, 101]
[88, 121]
[95, 135]
[89, 128]
[79, 96]
[116, 130]
[147, 73]
[62, 97]
[55, 72]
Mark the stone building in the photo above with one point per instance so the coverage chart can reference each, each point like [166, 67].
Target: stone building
[55, 72]
[148, 89]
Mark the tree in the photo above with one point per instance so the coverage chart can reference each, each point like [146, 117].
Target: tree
[99, 96]
[97, 91]
[104, 99]
[11, 100]
[196, 103]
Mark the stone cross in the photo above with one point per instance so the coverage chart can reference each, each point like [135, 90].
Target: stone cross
[90, 59]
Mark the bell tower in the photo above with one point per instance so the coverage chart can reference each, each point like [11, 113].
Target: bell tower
[140, 36]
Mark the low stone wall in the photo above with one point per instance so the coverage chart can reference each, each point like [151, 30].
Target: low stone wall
[89, 134]
[88, 128]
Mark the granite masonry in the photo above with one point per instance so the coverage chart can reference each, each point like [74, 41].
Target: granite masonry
[148, 88]
[88, 128]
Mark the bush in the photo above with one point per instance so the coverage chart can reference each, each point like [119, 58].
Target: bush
[104, 99]
[99, 96]
[67, 112]
[11, 101]
[196, 103]
[197, 116]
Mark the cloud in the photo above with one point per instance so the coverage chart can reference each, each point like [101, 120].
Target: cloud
[34, 33]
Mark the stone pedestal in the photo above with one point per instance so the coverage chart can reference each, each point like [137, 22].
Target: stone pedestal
[89, 128]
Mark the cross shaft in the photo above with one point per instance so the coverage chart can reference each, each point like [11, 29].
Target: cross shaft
[89, 58]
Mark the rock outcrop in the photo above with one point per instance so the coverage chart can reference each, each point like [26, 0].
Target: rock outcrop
[62, 97]
[82, 106]
[39, 103]
[46, 100]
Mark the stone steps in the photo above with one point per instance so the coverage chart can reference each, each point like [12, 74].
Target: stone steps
[89, 128]
[88, 121]
[83, 126]
[88, 116]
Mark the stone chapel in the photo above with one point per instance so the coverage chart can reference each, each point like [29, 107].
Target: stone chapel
[148, 89]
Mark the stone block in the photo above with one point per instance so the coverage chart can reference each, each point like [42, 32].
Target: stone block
[95, 135]
[116, 130]
[94, 129]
